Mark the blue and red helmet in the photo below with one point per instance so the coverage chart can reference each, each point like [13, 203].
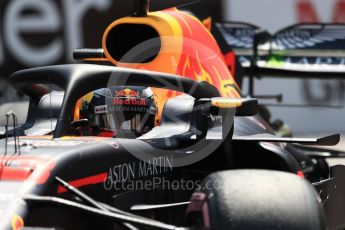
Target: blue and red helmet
[126, 111]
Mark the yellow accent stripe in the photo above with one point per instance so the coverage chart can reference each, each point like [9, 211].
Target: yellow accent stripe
[226, 103]
[17, 222]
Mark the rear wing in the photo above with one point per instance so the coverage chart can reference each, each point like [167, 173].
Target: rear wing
[301, 50]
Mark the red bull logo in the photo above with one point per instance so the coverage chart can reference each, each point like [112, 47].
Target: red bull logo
[130, 101]
[126, 93]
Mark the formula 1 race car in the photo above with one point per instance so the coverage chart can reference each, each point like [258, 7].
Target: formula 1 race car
[164, 140]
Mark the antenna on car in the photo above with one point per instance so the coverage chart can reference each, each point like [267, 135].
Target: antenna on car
[16, 139]
[11, 113]
[50, 104]
[141, 8]
[6, 134]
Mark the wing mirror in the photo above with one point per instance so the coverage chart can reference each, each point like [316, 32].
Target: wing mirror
[217, 105]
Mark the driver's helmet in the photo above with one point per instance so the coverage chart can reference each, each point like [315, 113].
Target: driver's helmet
[121, 111]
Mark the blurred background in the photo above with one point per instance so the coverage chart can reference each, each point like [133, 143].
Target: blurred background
[45, 32]
[273, 15]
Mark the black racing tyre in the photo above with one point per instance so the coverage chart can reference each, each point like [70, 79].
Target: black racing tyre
[256, 199]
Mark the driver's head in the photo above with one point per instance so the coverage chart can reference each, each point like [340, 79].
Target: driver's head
[122, 111]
